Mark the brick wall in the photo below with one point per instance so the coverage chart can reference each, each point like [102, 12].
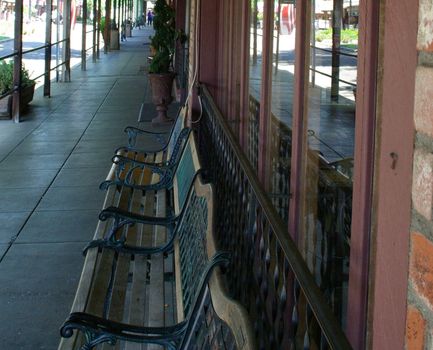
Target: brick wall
[419, 324]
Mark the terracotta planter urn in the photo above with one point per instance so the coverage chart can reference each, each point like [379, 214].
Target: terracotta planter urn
[161, 86]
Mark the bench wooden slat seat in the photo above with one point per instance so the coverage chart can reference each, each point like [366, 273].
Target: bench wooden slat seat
[160, 161]
[178, 186]
[196, 281]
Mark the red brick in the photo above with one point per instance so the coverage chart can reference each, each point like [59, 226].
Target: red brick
[415, 329]
[425, 28]
[423, 111]
[422, 186]
[421, 266]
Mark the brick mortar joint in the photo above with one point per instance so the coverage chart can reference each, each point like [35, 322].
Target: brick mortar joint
[423, 142]
[423, 307]
[421, 225]
[425, 59]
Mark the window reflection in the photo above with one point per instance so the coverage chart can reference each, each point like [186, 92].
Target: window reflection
[279, 147]
[330, 138]
[255, 72]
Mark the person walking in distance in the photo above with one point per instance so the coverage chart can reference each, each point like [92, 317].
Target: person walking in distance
[149, 18]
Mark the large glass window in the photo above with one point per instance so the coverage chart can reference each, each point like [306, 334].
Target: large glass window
[327, 208]
[279, 142]
[255, 73]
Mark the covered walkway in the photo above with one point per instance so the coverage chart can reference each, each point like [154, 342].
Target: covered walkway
[50, 167]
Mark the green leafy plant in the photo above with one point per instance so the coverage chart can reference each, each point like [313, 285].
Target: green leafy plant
[347, 35]
[164, 40]
[7, 77]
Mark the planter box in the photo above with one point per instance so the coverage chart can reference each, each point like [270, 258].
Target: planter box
[114, 40]
[6, 102]
[128, 31]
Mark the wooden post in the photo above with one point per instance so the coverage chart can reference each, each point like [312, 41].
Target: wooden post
[84, 35]
[122, 10]
[245, 65]
[18, 47]
[67, 43]
[266, 88]
[277, 48]
[337, 16]
[98, 34]
[94, 34]
[107, 29]
[255, 23]
[48, 49]
[115, 16]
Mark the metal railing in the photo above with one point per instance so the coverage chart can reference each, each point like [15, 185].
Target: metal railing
[25, 52]
[338, 52]
[268, 275]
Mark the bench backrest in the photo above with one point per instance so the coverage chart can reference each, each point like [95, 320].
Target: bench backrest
[179, 124]
[197, 259]
[184, 174]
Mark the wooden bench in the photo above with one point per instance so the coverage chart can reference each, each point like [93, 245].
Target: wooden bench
[161, 161]
[173, 296]
[128, 203]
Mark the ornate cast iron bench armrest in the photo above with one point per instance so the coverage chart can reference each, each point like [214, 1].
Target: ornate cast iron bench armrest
[114, 240]
[120, 159]
[98, 330]
[133, 132]
[123, 177]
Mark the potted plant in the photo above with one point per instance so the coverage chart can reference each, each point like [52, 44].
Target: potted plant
[111, 39]
[163, 44]
[6, 86]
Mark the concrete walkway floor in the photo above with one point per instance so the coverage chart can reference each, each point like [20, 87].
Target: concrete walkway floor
[50, 167]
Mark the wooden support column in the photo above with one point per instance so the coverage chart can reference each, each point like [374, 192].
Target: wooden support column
[121, 16]
[337, 16]
[98, 34]
[131, 7]
[255, 23]
[18, 47]
[48, 49]
[94, 34]
[244, 79]
[84, 36]
[366, 111]
[391, 212]
[266, 87]
[116, 20]
[299, 142]
[145, 12]
[208, 60]
[67, 44]
[107, 29]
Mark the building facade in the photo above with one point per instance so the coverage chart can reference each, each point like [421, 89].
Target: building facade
[322, 114]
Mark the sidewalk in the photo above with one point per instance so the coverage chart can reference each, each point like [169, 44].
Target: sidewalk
[50, 167]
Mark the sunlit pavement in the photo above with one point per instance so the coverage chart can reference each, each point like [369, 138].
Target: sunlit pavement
[50, 167]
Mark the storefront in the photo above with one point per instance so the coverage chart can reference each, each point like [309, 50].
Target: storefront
[311, 92]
